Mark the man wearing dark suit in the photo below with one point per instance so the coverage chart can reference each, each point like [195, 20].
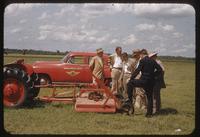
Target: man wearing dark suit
[147, 67]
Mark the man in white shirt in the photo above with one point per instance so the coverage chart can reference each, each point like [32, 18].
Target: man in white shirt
[116, 66]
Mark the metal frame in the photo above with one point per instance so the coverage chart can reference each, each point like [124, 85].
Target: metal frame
[82, 104]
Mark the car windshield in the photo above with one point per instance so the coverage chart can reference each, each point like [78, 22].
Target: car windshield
[65, 58]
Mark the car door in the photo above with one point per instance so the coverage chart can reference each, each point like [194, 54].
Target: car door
[76, 69]
[107, 73]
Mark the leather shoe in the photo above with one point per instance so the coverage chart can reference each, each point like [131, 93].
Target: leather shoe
[156, 113]
[148, 115]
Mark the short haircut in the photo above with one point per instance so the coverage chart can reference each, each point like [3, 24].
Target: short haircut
[118, 48]
[124, 54]
[144, 52]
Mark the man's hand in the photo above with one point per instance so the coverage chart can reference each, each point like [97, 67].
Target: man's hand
[120, 83]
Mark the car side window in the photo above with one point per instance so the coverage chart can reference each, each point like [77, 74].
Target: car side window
[70, 60]
[89, 59]
[76, 60]
[105, 60]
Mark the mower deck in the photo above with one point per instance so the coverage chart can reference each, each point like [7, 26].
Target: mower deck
[86, 105]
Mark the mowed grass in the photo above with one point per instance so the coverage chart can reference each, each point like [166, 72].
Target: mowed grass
[177, 115]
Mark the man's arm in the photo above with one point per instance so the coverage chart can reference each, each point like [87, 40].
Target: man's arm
[161, 64]
[137, 70]
[122, 73]
[91, 64]
[111, 60]
[158, 69]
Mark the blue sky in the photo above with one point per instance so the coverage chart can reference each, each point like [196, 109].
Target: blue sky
[168, 29]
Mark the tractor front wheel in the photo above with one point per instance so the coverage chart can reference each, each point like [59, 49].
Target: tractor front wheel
[15, 88]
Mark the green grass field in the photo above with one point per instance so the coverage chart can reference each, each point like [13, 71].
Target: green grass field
[177, 115]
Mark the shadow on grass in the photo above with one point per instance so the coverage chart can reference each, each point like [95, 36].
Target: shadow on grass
[163, 111]
[167, 111]
[36, 103]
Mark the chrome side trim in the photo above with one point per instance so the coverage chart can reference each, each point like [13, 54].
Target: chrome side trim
[72, 68]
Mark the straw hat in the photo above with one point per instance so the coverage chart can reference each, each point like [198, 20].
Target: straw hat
[99, 50]
[153, 54]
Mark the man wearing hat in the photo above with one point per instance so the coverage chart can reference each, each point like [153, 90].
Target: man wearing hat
[136, 56]
[128, 67]
[147, 67]
[139, 93]
[159, 83]
[96, 64]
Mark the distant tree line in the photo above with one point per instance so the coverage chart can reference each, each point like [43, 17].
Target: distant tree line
[31, 51]
[176, 58]
[170, 58]
[57, 52]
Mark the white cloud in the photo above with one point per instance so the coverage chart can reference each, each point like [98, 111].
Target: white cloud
[70, 33]
[90, 32]
[142, 27]
[103, 38]
[163, 9]
[189, 46]
[54, 28]
[13, 9]
[182, 9]
[107, 9]
[62, 36]
[114, 41]
[153, 27]
[95, 25]
[160, 49]
[117, 7]
[43, 35]
[140, 9]
[44, 16]
[25, 37]
[177, 35]
[91, 11]
[22, 21]
[182, 50]
[156, 37]
[168, 27]
[159, 27]
[70, 8]
[15, 30]
[91, 39]
[131, 39]
[46, 27]
[54, 32]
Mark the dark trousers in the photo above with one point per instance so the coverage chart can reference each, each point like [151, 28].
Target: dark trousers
[147, 85]
[156, 96]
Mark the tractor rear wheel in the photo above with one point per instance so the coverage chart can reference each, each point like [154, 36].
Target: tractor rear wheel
[16, 85]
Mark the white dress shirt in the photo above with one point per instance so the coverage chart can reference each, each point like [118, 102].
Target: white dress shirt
[118, 62]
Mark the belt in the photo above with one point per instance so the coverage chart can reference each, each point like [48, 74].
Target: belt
[127, 73]
[117, 68]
